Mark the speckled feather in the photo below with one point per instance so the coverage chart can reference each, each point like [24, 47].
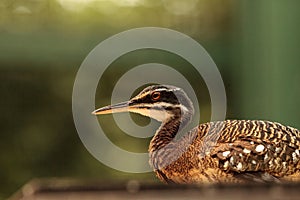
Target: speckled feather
[228, 151]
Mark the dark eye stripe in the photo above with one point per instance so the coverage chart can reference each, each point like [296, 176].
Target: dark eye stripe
[169, 108]
[144, 107]
[166, 96]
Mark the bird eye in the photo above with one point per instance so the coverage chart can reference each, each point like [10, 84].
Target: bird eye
[155, 96]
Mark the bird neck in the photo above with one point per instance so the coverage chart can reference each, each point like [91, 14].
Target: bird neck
[168, 130]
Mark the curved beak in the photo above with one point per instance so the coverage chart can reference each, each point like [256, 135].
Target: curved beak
[116, 108]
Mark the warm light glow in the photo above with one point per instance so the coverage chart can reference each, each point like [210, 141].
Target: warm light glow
[22, 10]
[77, 5]
[128, 2]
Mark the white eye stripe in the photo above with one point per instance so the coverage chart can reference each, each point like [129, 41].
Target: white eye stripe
[167, 90]
[160, 89]
[163, 104]
[159, 115]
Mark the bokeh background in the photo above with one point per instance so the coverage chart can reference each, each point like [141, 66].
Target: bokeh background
[254, 43]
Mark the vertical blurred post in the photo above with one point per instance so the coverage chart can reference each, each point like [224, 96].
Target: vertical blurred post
[270, 62]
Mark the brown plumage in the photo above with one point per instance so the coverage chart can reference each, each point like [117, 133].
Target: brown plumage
[225, 151]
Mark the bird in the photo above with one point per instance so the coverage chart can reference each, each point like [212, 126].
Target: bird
[229, 151]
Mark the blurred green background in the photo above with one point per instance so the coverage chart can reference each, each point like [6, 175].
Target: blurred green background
[254, 43]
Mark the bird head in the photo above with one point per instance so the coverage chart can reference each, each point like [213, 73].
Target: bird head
[160, 102]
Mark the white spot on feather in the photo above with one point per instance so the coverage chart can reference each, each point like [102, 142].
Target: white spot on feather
[232, 160]
[239, 166]
[259, 148]
[246, 150]
[294, 156]
[284, 164]
[277, 149]
[226, 153]
[266, 157]
[226, 164]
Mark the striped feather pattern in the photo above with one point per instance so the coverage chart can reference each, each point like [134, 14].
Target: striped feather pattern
[223, 151]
